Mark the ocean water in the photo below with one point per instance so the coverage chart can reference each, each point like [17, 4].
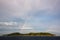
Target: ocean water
[29, 38]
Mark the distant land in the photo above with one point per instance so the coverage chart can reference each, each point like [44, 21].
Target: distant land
[29, 34]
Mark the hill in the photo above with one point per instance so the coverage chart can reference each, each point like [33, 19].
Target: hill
[29, 34]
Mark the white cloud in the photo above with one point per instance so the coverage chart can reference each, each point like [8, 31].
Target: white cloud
[54, 27]
[8, 23]
[26, 28]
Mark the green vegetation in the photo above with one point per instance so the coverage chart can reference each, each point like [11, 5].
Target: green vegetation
[30, 34]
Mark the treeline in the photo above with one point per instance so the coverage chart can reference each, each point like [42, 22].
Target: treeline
[30, 34]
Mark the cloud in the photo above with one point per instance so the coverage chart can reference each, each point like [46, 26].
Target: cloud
[26, 28]
[19, 8]
[10, 25]
[54, 29]
[40, 14]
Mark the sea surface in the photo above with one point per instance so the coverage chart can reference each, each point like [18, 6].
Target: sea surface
[29, 38]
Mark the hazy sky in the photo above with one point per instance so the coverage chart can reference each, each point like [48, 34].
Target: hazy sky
[29, 16]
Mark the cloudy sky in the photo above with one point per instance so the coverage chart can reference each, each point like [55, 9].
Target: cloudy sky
[29, 16]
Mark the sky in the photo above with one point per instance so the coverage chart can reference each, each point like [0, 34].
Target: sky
[26, 16]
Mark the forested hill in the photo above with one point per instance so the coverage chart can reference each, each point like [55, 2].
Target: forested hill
[29, 34]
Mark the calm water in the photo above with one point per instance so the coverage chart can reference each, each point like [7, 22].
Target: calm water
[29, 38]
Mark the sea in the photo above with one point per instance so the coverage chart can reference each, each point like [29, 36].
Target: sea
[29, 38]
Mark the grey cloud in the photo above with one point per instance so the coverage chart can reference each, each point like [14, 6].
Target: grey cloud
[27, 10]
[13, 8]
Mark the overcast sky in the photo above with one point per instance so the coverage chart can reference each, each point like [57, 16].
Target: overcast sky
[30, 16]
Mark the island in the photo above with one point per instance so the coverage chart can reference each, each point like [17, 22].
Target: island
[30, 34]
